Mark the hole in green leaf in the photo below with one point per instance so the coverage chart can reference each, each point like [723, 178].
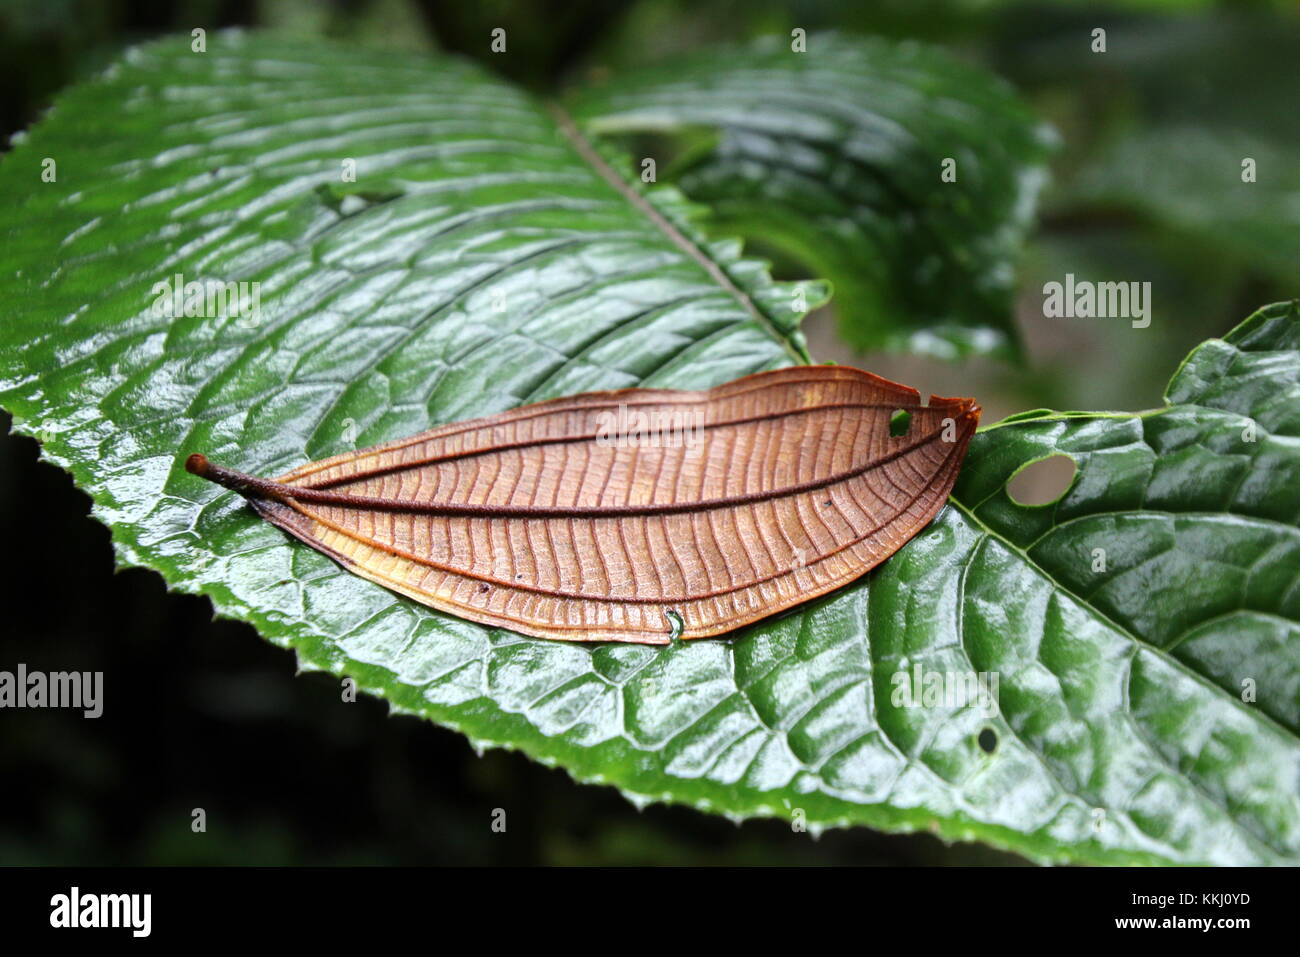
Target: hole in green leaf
[988, 740]
[1041, 482]
[900, 422]
[348, 200]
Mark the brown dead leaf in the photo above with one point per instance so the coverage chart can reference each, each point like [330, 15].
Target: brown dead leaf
[600, 517]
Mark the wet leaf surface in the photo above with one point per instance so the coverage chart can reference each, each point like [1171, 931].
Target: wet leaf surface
[1121, 731]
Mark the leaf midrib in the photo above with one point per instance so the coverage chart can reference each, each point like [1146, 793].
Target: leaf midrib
[588, 153]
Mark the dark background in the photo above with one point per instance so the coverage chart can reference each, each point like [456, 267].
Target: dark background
[205, 714]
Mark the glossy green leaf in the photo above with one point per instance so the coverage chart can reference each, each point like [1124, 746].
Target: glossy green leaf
[484, 258]
[902, 175]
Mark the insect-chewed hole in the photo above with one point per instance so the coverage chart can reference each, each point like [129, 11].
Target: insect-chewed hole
[1042, 482]
[675, 624]
[988, 740]
[900, 422]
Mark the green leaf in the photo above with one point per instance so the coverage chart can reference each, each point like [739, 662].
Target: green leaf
[1121, 734]
[837, 155]
[1189, 180]
[1165, 597]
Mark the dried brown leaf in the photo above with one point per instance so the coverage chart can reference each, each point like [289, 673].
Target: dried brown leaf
[608, 515]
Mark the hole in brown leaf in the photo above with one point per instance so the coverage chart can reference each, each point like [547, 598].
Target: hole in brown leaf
[675, 625]
[1041, 482]
[900, 422]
